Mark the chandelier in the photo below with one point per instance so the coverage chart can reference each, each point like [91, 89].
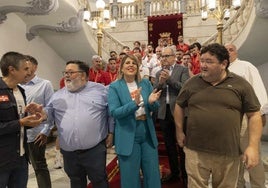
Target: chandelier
[220, 10]
[98, 19]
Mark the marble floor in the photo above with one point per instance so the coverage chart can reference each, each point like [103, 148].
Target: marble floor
[58, 177]
[60, 180]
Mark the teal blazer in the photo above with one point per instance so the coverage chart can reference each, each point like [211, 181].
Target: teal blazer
[122, 108]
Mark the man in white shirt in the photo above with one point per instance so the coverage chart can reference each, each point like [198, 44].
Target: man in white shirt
[248, 71]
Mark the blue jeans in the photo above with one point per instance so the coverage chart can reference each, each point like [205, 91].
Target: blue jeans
[90, 163]
[16, 177]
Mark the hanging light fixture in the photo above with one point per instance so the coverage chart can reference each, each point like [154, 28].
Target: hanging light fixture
[100, 4]
[98, 20]
[86, 15]
[219, 9]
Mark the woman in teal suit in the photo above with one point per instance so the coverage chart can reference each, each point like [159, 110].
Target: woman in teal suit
[131, 101]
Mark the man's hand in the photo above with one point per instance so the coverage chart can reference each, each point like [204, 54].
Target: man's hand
[180, 138]
[109, 140]
[40, 139]
[32, 108]
[250, 157]
[164, 75]
[32, 120]
[37, 109]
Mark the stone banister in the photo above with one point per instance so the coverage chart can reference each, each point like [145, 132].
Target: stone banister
[190, 8]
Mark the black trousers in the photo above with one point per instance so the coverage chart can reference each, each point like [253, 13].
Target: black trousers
[89, 163]
[39, 163]
[169, 133]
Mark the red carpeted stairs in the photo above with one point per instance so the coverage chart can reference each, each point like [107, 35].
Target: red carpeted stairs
[163, 160]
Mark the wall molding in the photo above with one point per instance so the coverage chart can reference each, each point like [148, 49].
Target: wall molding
[74, 24]
[41, 8]
[36, 7]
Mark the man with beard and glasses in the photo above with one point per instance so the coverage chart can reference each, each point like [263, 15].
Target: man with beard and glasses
[80, 112]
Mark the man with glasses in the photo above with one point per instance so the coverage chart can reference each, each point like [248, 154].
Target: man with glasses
[215, 101]
[80, 112]
[170, 80]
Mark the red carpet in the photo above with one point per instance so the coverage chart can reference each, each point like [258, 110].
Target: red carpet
[114, 174]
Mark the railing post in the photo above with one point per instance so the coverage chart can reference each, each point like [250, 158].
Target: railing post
[115, 9]
[147, 4]
[182, 6]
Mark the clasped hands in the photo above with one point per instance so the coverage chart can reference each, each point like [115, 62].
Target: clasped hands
[35, 117]
[154, 96]
[164, 75]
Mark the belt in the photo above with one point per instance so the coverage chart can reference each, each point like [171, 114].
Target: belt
[141, 117]
[79, 151]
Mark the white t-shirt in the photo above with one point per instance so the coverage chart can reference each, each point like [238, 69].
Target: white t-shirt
[248, 71]
[21, 109]
[133, 88]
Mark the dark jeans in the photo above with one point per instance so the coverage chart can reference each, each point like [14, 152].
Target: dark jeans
[89, 163]
[38, 160]
[17, 177]
[169, 133]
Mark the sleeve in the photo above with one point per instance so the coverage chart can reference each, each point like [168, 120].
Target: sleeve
[116, 108]
[176, 82]
[48, 94]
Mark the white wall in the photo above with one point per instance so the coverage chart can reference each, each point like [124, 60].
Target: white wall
[13, 38]
[263, 69]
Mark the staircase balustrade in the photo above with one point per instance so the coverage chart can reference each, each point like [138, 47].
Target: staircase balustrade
[235, 25]
[137, 11]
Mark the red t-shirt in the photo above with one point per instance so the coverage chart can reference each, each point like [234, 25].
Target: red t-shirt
[99, 77]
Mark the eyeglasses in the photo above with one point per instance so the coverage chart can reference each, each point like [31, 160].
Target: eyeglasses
[166, 56]
[70, 73]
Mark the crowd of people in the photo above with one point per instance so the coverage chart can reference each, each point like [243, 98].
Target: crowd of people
[209, 105]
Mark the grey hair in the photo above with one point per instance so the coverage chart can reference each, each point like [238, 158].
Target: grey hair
[172, 49]
[96, 57]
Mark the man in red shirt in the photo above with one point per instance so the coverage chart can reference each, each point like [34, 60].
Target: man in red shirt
[112, 69]
[96, 73]
[195, 54]
[181, 45]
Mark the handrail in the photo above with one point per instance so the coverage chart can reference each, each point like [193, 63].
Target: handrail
[109, 43]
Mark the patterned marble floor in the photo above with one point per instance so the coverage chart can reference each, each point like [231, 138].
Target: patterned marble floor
[58, 177]
[60, 180]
